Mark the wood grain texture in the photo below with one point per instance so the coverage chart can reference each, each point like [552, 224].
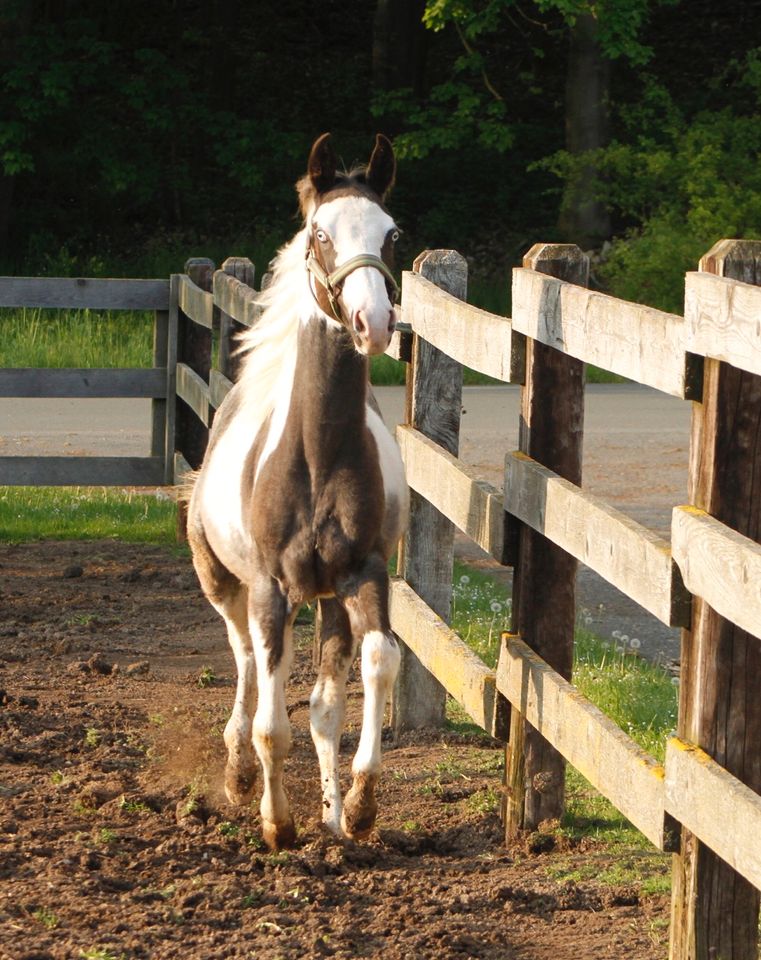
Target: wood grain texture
[196, 304]
[237, 299]
[480, 340]
[444, 654]
[219, 387]
[194, 344]
[473, 505]
[81, 471]
[724, 320]
[626, 554]
[715, 806]
[229, 360]
[612, 762]
[434, 402]
[714, 909]
[87, 382]
[84, 294]
[194, 391]
[719, 565]
[544, 583]
[635, 341]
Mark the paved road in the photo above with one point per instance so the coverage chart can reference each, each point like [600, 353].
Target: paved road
[635, 457]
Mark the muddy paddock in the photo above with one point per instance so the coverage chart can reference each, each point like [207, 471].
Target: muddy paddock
[116, 841]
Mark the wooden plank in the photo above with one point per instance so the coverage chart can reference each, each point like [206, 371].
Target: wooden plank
[181, 468]
[219, 387]
[719, 565]
[453, 488]
[719, 705]
[81, 471]
[194, 348]
[84, 382]
[236, 299]
[229, 358]
[544, 581]
[426, 556]
[84, 294]
[481, 340]
[635, 341]
[626, 554]
[444, 654]
[171, 387]
[195, 303]
[194, 391]
[612, 762]
[715, 806]
[400, 347]
[724, 320]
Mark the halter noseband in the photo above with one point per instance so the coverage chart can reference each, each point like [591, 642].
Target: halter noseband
[333, 282]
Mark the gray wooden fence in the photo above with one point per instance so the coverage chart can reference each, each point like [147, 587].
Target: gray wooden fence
[703, 803]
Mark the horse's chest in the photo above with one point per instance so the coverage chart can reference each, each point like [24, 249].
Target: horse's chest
[314, 526]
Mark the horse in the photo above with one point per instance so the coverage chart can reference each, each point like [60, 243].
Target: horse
[301, 495]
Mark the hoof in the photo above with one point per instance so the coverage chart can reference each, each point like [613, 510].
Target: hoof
[240, 780]
[279, 836]
[360, 808]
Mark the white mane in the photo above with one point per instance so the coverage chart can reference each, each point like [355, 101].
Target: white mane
[269, 347]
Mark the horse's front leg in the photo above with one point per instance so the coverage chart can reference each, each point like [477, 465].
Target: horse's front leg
[270, 624]
[327, 705]
[365, 598]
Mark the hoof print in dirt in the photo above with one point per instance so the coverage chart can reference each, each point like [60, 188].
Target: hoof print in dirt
[95, 795]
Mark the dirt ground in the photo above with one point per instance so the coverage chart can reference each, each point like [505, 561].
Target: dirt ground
[115, 839]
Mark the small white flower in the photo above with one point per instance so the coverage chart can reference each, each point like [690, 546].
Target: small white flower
[496, 606]
[635, 644]
[464, 579]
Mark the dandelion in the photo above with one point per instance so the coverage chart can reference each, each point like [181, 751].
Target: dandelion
[620, 649]
[587, 619]
[635, 644]
[464, 579]
[675, 681]
[625, 638]
[616, 634]
[496, 606]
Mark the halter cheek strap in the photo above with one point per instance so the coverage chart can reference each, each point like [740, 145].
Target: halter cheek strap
[333, 282]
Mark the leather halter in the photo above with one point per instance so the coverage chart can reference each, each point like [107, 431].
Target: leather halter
[333, 282]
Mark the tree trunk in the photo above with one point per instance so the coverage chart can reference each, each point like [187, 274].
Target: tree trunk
[584, 220]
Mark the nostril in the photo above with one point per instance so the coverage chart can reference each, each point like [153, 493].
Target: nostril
[391, 321]
[360, 323]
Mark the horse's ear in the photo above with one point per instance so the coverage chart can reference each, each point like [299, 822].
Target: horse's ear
[381, 170]
[321, 168]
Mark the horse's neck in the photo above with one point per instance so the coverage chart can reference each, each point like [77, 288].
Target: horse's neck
[329, 390]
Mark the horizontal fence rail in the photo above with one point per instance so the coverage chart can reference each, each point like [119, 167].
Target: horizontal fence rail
[84, 294]
[87, 382]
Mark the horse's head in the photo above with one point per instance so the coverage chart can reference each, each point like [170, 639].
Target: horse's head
[350, 242]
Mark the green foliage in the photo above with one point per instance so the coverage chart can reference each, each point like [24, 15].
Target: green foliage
[684, 181]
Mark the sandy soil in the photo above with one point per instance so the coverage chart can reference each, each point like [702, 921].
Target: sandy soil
[114, 835]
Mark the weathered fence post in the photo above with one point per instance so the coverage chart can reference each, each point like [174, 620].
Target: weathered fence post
[714, 910]
[194, 349]
[228, 361]
[434, 404]
[544, 585]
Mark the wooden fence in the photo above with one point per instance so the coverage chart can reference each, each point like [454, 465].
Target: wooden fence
[156, 382]
[703, 803]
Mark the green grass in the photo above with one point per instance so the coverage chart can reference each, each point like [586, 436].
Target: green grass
[637, 695]
[85, 513]
[75, 338]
